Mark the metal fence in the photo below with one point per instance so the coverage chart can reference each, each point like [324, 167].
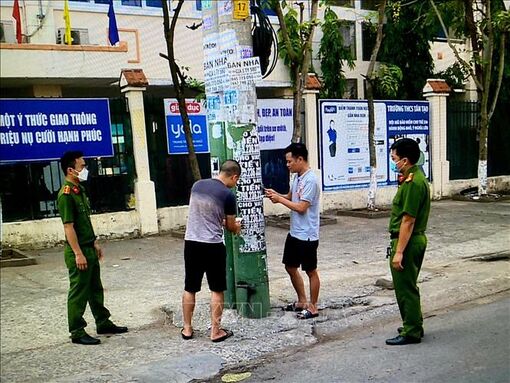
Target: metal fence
[463, 124]
[29, 190]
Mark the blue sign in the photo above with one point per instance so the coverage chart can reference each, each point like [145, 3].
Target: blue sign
[175, 128]
[43, 129]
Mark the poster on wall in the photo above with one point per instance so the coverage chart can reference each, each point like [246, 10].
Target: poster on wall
[176, 138]
[411, 120]
[275, 123]
[43, 129]
[345, 154]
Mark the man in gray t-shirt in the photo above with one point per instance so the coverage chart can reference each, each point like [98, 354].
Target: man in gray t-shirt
[212, 206]
[303, 239]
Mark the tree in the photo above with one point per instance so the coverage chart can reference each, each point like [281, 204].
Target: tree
[370, 82]
[295, 48]
[332, 54]
[180, 81]
[406, 44]
[486, 26]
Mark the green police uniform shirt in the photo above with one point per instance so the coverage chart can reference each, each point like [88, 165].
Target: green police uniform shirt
[412, 198]
[74, 207]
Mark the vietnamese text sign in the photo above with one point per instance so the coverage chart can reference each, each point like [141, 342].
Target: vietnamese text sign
[244, 73]
[175, 129]
[43, 129]
[274, 123]
[344, 139]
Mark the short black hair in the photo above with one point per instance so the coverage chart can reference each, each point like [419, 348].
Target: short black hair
[231, 168]
[332, 121]
[297, 150]
[408, 148]
[68, 159]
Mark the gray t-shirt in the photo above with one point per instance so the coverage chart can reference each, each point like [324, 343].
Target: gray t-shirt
[305, 226]
[209, 203]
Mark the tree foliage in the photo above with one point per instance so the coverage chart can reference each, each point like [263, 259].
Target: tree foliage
[388, 80]
[332, 55]
[407, 35]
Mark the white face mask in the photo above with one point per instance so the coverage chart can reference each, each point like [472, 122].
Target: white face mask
[83, 175]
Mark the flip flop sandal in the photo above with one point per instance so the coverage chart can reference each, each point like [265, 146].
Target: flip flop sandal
[306, 314]
[186, 337]
[227, 335]
[293, 307]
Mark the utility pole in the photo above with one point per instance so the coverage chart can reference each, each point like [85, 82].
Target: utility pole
[230, 74]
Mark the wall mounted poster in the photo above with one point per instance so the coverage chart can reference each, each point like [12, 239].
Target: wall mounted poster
[345, 160]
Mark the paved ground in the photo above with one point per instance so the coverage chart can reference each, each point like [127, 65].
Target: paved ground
[456, 348]
[142, 276]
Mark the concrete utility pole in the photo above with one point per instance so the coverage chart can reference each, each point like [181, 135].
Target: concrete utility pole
[230, 74]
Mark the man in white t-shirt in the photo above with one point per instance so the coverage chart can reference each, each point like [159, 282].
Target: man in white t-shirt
[303, 239]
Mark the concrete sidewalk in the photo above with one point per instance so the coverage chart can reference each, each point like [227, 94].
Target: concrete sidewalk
[143, 281]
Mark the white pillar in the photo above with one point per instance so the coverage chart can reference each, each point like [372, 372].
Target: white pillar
[436, 92]
[144, 188]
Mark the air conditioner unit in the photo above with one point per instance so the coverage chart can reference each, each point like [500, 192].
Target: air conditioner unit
[7, 34]
[78, 36]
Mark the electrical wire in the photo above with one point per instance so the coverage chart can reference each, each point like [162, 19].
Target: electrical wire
[264, 40]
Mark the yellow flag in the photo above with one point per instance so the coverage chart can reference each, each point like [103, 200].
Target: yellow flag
[67, 18]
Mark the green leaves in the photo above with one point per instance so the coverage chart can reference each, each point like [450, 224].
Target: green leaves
[389, 78]
[333, 51]
[502, 21]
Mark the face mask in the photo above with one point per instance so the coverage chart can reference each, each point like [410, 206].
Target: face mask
[393, 166]
[83, 175]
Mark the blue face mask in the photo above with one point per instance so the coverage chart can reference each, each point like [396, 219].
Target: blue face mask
[393, 166]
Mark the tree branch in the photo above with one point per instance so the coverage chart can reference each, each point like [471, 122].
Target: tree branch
[487, 57]
[378, 40]
[463, 62]
[307, 48]
[285, 33]
[501, 66]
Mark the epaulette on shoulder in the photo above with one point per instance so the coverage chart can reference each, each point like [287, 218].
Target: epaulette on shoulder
[410, 177]
[67, 189]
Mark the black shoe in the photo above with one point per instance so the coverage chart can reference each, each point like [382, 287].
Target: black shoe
[402, 340]
[112, 330]
[400, 329]
[86, 340]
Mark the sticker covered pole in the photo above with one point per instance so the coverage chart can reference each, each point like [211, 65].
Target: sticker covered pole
[231, 74]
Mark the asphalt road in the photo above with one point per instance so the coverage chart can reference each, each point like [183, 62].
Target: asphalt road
[465, 344]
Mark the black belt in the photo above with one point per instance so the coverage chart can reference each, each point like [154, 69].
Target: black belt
[395, 235]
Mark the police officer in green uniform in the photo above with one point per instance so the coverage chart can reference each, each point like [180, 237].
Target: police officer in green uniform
[82, 254]
[408, 222]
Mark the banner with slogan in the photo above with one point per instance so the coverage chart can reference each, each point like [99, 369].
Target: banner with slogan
[175, 128]
[43, 129]
[345, 154]
[275, 123]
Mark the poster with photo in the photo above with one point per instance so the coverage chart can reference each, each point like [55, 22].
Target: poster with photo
[345, 158]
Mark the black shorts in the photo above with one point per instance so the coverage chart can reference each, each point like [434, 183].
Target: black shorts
[300, 253]
[208, 258]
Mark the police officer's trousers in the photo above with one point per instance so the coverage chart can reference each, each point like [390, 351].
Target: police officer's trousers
[405, 284]
[85, 286]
